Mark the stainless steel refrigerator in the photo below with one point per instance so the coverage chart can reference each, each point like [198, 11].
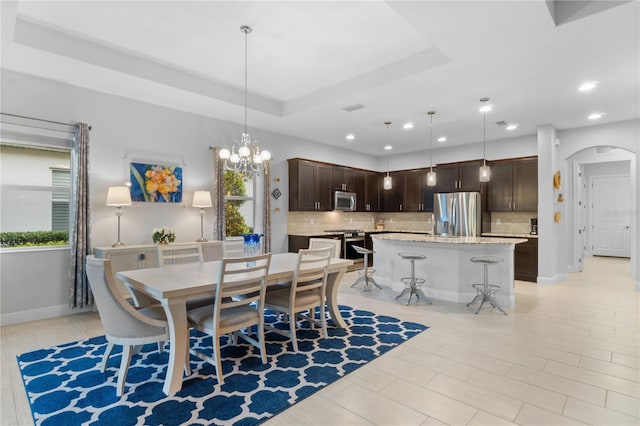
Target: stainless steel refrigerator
[457, 214]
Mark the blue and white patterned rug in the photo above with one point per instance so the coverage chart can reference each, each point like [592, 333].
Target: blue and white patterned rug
[65, 386]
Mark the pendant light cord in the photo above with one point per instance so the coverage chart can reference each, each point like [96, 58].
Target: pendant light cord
[431, 147]
[387, 150]
[246, 72]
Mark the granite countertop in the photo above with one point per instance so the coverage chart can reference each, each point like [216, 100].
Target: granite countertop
[366, 231]
[507, 235]
[421, 238]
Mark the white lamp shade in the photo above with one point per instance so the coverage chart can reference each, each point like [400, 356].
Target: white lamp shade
[119, 196]
[202, 199]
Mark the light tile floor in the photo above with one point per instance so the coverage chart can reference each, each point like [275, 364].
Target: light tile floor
[566, 354]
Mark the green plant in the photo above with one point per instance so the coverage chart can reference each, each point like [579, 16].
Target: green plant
[234, 221]
[33, 238]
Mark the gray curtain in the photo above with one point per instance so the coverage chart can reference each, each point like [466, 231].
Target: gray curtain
[217, 195]
[79, 293]
[266, 210]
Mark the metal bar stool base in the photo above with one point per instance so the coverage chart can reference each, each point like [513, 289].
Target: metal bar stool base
[485, 291]
[412, 284]
[366, 274]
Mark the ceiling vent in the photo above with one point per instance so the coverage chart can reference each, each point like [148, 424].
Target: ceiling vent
[501, 123]
[352, 108]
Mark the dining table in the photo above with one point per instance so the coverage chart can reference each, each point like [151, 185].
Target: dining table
[174, 285]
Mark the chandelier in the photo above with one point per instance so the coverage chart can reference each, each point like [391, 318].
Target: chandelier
[245, 156]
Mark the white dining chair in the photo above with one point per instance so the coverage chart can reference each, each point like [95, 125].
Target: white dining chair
[335, 244]
[238, 305]
[233, 247]
[306, 292]
[123, 324]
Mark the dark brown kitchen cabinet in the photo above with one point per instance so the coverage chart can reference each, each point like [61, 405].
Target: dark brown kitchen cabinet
[392, 198]
[513, 186]
[372, 191]
[309, 185]
[459, 177]
[525, 261]
[417, 196]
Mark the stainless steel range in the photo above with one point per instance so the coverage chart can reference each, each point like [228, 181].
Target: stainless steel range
[350, 238]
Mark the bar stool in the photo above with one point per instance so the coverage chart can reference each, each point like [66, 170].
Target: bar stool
[366, 274]
[485, 291]
[412, 284]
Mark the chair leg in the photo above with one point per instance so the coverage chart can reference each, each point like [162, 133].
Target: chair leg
[124, 369]
[160, 347]
[323, 320]
[105, 357]
[216, 355]
[263, 350]
[292, 329]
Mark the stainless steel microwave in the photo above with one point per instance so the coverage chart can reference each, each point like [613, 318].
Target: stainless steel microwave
[344, 201]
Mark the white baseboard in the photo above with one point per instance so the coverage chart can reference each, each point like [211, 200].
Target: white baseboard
[40, 314]
[557, 278]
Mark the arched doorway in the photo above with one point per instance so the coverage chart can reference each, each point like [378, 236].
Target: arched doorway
[603, 188]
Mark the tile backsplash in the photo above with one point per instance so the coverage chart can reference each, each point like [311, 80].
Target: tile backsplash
[310, 222]
[512, 222]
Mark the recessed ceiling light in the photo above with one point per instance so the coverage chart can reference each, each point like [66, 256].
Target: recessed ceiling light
[350, 137]
[587, 86]
[388, 147]
[595, 116]
[442, 139]
[486, 108]
[408, 126]
[511, 126]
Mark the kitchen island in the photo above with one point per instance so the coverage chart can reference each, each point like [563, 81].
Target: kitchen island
[448, 269]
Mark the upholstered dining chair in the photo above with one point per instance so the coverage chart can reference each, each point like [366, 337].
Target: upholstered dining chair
[238, 305]
[335, 244]
[123, 324]
[307, 292]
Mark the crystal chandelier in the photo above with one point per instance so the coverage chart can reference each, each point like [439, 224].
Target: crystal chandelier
[245, 156]
[485, 171]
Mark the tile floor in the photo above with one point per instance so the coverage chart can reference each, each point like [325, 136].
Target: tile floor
[566, 354]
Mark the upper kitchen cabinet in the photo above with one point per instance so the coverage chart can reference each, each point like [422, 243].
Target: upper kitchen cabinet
[514, 186]
[350, 180]
[459, 177]
[372, 192]
[310, 185]
[392, 199]
[417, 196]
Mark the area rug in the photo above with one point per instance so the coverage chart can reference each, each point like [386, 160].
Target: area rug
[65, 386]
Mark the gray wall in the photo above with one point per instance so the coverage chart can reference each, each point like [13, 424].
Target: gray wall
[126, 130]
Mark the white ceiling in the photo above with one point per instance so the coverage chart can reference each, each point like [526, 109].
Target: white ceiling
[310, 59]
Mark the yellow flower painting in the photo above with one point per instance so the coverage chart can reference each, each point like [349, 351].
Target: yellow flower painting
[156, 183]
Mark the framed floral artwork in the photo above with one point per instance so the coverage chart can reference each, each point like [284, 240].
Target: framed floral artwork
[155, 183]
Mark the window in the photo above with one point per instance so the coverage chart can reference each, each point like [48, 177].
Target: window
[239, 204]
[61, 181]
[35, 178]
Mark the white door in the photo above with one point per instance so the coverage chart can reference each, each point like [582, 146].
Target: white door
[610, 216]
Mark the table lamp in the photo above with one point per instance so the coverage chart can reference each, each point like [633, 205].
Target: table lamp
[202, 199]
[118, 196]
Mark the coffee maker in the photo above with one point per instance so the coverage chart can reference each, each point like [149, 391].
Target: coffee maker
[534, 226]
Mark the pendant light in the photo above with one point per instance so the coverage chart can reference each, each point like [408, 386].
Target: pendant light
[245, 156]
[431, 176]
[387, 182]
[485, 171]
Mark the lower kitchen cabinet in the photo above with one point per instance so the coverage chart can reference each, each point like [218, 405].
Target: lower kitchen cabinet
[526, 261]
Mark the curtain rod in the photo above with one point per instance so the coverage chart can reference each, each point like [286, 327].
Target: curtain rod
[41, 119]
